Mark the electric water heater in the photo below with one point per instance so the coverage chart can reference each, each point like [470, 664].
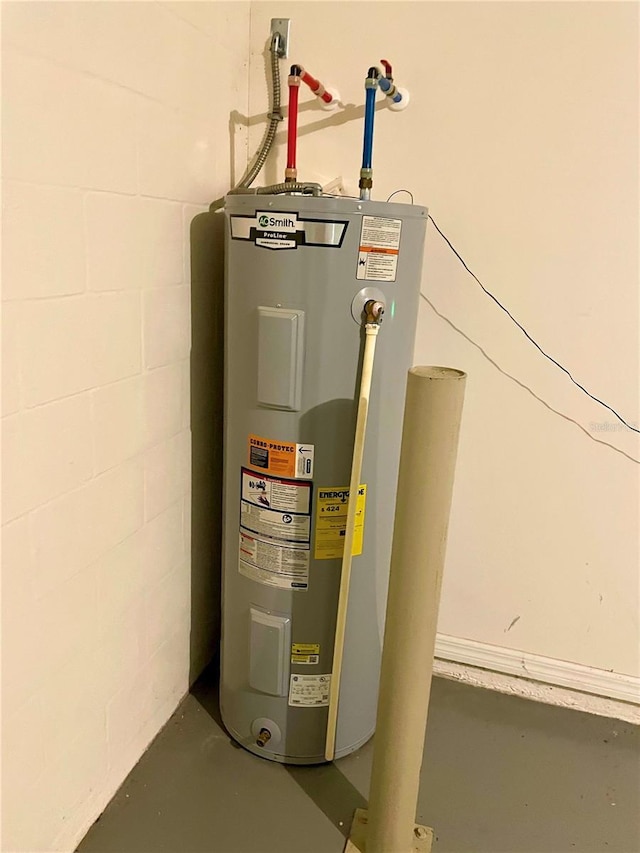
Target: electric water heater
[299, 271]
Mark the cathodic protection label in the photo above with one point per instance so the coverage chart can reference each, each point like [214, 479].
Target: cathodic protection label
[331, 522]
[275, 530]
[379, 248]
[282, 458]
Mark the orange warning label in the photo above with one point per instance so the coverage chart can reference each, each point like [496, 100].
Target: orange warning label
[380, 250]
[282, 458]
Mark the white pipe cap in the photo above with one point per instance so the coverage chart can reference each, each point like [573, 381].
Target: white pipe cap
[397, 106]
[335, 99]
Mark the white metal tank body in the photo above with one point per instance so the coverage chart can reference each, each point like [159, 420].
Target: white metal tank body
[298, 268]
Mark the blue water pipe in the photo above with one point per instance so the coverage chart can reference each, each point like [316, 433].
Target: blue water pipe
[369, 115]
[366, 173]
[397, 96]
[386, 85]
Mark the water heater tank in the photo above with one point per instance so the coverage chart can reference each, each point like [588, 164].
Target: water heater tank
[299, 270]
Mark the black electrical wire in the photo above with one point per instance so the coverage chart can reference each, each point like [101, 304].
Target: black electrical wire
[401, 191]
[524, 331]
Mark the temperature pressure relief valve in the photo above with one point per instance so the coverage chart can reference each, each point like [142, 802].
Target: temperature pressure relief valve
[373, 311]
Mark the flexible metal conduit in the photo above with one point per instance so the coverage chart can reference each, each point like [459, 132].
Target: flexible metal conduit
[275, 117]
[304, 187]
[291, 187]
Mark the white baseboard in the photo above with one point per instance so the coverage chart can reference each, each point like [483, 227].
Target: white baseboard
[539, 678]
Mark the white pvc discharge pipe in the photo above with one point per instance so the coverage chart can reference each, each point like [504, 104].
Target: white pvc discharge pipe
[371, 332]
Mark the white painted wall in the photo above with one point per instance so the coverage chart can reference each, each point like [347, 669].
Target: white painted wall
[522, 138]
[113, 140]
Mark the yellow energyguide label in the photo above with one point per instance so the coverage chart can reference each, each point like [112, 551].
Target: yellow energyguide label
[305, 652]
[331, 522]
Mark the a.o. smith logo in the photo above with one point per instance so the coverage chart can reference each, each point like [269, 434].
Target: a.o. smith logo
[283, 230]
[279, 222]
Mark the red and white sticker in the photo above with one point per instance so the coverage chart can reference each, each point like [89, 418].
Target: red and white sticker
[277, 493]
[274, 563]
[379, 248]
[275, 530]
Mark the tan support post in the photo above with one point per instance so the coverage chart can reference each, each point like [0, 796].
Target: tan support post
[433, 410]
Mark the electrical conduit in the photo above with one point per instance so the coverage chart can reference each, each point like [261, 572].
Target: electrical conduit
[275, 116]
[374, 311]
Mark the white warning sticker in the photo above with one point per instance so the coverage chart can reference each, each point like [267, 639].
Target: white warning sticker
[276, 493]
[309, 691]
[275, 530]
[379, 248]
[273, 563]
[278, 525]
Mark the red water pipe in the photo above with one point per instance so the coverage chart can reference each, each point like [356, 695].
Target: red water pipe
[316, 86]
[291, 172]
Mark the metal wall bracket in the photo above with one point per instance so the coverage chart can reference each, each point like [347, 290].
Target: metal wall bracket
[357, 841]
[281, 27]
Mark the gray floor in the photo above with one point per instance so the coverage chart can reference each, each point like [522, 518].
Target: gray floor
[500, 775]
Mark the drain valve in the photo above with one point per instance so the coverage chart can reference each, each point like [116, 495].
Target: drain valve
[264, 737]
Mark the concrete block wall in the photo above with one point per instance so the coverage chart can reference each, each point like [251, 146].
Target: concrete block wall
[115, 128]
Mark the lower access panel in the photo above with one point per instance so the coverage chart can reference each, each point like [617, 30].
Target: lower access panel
[270, 644]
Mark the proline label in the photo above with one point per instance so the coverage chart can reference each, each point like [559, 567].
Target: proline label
[284, 229]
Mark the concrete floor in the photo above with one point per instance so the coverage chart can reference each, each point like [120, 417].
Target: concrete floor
[500, 775]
